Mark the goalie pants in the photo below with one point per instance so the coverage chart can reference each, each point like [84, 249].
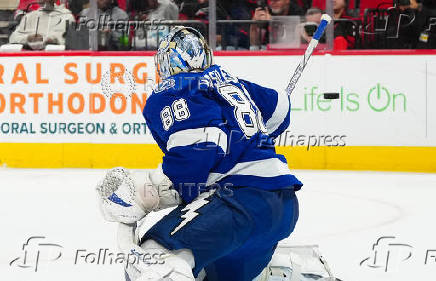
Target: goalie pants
[232, 234]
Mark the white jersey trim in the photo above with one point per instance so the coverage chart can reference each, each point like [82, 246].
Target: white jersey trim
[267, 168]
[279, 113]
[200, 135]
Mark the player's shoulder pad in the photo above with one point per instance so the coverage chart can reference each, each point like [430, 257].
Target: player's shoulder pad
[156, 101]
[163, 93]
[166, 85]
[173, 110]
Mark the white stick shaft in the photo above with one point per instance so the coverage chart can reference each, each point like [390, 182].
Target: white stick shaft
[299, 70]
[325, 20]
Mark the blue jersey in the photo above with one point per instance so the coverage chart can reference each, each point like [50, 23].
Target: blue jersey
[217, 130]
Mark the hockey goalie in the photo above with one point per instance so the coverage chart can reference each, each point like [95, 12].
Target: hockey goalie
[232, 196]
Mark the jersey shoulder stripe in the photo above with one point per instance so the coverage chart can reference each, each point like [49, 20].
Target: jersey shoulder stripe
[196, 136]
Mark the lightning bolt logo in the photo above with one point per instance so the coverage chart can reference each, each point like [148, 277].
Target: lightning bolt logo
[191, 209]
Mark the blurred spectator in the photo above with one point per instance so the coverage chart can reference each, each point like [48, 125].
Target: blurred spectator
[398, 26]
[242, 9]
[47, 25]
[344, 38]
[374, 4]
[27, 6]
[340, 9]
[24, 7]
[7, 8]
[343, 31]
[321, 4]
[304, 4]
[410, 24]
[390, 24]
[308, 28]
[408, 4]
[313, 15]
[109, 38]
[76, 6]
[122, 4]
[428, 4]
[285, 8]
[426, 24]
[227, 4]
[154, 10]
[239, 37]
[147, 36]
[259, 32]
[199, 10]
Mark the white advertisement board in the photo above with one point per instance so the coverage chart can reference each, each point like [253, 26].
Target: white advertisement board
[384, 100]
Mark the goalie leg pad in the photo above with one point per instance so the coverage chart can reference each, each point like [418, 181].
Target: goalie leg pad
[242, 224]
[160, 264]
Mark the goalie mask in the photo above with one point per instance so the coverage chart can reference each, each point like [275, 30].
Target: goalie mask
[184, 49]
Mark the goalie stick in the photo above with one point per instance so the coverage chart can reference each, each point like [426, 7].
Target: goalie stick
[325, 20]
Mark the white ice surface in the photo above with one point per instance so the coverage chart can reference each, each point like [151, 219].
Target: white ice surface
[343, 212]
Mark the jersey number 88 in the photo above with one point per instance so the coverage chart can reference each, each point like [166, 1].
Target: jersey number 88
[246, 113]
[179, 109]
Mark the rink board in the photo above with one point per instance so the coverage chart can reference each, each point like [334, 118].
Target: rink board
[83, 109]
[78, 155]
